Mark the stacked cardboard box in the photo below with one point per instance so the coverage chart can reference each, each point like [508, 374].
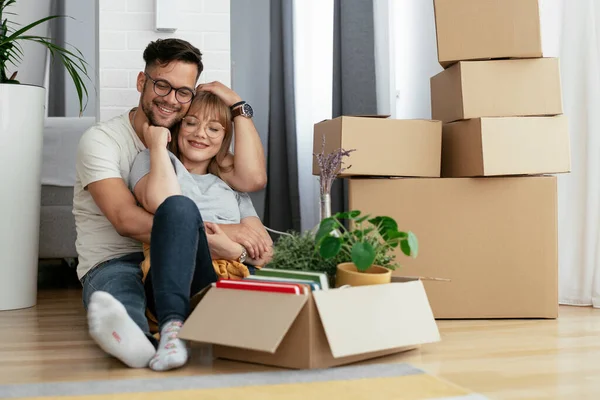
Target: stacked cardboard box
[488, 227]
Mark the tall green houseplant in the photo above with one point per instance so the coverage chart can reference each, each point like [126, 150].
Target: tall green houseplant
[11, 52]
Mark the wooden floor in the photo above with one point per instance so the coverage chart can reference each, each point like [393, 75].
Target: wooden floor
[507, 359]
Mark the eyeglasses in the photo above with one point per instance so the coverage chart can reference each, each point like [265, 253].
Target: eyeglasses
[192, 125]
[163, 88]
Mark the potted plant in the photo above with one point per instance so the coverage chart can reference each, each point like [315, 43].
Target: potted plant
[297, 251]
[367, 247]
[22, 115]
[11, 53]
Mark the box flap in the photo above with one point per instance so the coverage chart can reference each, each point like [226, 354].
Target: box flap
[418, 278]
[364, 319]
[383, 116]
[243, 318]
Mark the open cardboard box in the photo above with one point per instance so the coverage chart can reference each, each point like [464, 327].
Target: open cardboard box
[319, 330]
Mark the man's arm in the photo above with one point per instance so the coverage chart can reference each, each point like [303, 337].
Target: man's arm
[119, 206]
[249, 172]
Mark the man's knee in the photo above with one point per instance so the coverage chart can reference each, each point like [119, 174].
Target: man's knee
[178, 206]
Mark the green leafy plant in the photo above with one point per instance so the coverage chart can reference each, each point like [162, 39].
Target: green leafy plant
[371, 241]
[11, 51]
[297, 252]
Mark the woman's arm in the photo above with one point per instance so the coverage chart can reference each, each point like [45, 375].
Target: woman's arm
[220, 245]
[249, 172]
[161, 182]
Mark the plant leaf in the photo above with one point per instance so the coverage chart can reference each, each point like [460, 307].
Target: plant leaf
[354, 213]
[384, 225]
[363, 255]
[16, 35]
[325, 227]
[414, 244]
[405, 247]
[362, 219]
[330, 247]
[342, 215]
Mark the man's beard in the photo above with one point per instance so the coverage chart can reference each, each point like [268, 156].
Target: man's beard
[148, 110]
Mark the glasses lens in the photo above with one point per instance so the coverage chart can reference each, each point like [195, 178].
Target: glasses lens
[189, 124]
[214, 130]
[184, 95]
[162, 88]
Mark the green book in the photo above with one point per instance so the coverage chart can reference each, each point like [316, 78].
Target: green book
[317, 277]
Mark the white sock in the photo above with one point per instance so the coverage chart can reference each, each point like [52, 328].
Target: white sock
[116, 333]
[172, 352]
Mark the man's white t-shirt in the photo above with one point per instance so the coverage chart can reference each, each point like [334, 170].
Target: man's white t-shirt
[106, 150]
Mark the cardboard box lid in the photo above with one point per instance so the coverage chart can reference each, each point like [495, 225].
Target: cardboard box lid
[365, 319]
[243, 318]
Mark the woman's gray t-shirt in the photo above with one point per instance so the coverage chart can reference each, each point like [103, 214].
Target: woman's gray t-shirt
[217, 202]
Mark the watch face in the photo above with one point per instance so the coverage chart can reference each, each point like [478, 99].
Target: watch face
[247, 110]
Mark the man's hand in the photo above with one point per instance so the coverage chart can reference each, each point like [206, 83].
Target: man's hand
[156, 136]
[247, 237]
[223, 92]
[266, 258]
[256, 224]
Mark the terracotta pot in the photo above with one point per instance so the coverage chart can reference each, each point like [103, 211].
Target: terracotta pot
[348, 274]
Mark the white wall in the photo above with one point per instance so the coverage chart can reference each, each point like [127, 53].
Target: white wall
[250, 52]
[127, 26]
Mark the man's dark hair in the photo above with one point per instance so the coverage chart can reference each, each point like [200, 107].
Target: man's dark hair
[163, 51]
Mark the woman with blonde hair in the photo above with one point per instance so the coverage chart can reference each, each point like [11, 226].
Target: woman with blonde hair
[184, 168]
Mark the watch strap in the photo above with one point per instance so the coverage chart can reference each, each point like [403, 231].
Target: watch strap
[239, 103]
[236, 112]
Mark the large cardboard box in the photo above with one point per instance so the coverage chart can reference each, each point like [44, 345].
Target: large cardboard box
[384, 147]
[502, 88]
[319, 330]
[490, 242]
[487, 29]
[506, 146]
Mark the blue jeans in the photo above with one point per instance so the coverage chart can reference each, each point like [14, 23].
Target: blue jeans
[181, 266]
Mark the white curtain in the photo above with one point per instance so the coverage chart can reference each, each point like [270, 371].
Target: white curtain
[577, 25]
[571, 31]
[313, 75]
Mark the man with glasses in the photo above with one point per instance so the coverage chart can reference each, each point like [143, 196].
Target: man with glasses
[111, 227]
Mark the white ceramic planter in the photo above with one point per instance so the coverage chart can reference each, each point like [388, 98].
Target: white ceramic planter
[22, 111]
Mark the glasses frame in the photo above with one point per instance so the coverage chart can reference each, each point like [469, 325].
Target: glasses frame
[183, 121]
[171, 88]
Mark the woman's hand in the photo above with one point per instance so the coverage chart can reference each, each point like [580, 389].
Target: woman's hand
[220, 245]
[223, 92]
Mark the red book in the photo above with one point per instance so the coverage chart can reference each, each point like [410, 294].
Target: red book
[258, 286]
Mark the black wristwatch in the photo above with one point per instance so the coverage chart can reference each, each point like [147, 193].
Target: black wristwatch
[242, 108]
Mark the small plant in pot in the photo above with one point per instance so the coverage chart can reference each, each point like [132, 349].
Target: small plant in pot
[368, 247]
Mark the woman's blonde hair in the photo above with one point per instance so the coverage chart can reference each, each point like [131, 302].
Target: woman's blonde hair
[209, 106]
